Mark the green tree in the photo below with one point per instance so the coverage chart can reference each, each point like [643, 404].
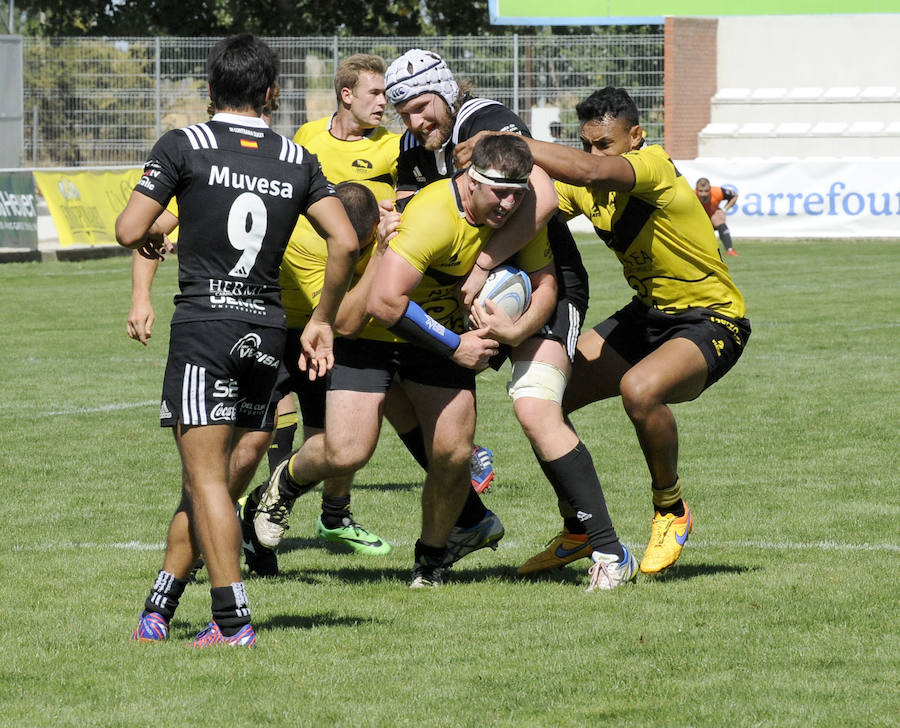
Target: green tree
[264, 17]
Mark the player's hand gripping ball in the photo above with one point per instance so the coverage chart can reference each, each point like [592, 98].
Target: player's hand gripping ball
[509, 288]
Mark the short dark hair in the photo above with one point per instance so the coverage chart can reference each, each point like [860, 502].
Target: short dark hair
[507, 153]
[240, 69]
[361, 206]
[609, 101]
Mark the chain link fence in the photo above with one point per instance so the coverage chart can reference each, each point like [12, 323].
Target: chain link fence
[101, 101]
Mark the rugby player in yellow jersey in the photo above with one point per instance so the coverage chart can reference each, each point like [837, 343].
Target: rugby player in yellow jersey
[686, 326]
[443, 230]
[351, 146]
[416, 295]
[441, 116]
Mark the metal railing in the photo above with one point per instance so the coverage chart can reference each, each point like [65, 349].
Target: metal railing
[95, 101]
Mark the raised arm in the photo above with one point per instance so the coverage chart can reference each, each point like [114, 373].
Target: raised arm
[566, 164]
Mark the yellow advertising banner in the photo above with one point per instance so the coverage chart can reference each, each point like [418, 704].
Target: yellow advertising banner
[84, 204]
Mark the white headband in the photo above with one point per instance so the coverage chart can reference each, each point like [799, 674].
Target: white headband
[496, 178]
[419, 72]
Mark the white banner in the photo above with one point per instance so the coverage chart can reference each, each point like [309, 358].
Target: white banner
[836, 198]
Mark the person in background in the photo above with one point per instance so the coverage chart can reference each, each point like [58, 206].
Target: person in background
[711, 198]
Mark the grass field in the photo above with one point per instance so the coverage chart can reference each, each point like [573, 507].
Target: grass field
[783, 610]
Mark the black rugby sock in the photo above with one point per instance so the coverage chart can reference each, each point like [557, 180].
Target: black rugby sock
[473, 511]
[230, 609]
[334, 510]
[164, 596]
[725, 237]
[283, 442]
[574, 478]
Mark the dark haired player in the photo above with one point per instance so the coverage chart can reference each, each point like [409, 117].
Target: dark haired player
[240, 188]
[438, 116]
[685, 327]
[350, 145]
[435, 360]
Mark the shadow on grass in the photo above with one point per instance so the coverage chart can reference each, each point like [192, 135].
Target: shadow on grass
[680, 572]
[391, 487]
[326, 619]
[350, 575]
[508, 573]
[368, 575]
[182, 631]
[296, 544]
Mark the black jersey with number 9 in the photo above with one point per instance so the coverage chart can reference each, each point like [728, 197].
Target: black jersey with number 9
[240, 188]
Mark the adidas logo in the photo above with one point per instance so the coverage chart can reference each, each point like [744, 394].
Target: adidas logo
[582, 516]
[164, 413]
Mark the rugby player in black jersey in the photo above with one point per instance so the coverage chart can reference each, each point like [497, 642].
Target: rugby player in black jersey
[240, 188]
[438, 116]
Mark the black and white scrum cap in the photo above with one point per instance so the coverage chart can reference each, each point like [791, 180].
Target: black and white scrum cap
[419, 72]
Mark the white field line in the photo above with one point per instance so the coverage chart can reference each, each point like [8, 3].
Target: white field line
[101, 408]
[693, 544]
[89, 546]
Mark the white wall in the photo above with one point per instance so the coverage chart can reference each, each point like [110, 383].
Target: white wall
[790, 51]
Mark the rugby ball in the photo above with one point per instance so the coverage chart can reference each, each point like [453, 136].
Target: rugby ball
[509, 288]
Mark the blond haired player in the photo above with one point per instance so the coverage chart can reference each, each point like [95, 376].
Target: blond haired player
[443, 231]
[351, 146]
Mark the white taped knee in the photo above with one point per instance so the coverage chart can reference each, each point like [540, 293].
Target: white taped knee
[536, 379]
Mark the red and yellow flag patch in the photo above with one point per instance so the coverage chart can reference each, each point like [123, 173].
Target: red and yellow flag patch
[249, 144]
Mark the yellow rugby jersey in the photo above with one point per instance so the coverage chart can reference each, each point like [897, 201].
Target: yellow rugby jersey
[371, 161]
[661, 234]
[437, 240]
[302, 275]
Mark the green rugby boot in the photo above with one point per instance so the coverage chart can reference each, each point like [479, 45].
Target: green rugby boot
[351, 535]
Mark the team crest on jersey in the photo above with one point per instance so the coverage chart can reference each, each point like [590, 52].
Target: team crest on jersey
[362, 164]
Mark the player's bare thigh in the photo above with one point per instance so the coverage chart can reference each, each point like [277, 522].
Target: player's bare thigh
[447, 417]
[205, 455]
[352, 424]
[547, 351]
[675, 372]
[596, 373]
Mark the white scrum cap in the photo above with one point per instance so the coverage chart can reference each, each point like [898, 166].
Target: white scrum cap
[419, 72]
